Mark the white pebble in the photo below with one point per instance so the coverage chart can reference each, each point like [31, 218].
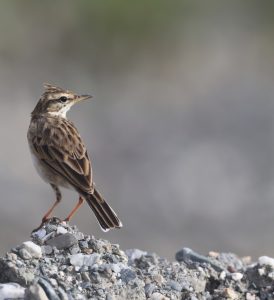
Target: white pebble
[61, 230]
[237, 276]
[33, 249]
[261, 271]
[266, 260]
[223, 275]
[11, 291]
[158, 296]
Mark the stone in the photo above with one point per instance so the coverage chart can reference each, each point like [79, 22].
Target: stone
[188, 256]
[33, 249]
[36, 292]
[266, 260]
[127, 275]
[39, 234]
[158, 296]
[237, 276]
[134, 254]
[47, 249]
[80, 259]
[175, 285]
[231, 294]
[23, 253]
[61, 230]
[149, 288]
[11, 291]
[62, 241]
[250, 296]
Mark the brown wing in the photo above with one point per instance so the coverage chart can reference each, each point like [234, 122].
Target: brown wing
[59, 145]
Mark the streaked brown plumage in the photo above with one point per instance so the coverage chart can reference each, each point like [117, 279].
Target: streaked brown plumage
[60, 156]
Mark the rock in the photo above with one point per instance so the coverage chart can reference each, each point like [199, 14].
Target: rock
[47, 249]
[84, 267]
[158, 296]
[11, 291]
[237, 276]
[39, 234]
[133, 254]
[62, 241]
[127, 275]
[36, 292]
[24, 253]
[49, 290]
[188, 256]
[265, 260]
[231, 294]
[175, 285]
[61, 230]
[80, 259]
[250, 296]
[34, 250]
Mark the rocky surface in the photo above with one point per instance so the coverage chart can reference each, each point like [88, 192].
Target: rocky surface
[61, 263]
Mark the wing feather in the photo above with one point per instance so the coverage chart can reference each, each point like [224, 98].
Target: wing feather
[62, 149]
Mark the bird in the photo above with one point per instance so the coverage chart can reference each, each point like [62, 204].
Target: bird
[60, 155]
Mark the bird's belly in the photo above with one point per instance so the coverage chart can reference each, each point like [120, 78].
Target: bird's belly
[48, 175]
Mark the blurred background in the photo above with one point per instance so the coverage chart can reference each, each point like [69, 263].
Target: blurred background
[180, 129]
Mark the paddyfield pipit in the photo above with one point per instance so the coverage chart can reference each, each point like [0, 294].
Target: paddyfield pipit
[60, 156]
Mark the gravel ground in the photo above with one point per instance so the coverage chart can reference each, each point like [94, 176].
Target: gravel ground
[61, 263]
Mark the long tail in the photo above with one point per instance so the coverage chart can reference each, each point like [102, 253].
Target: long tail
[105, 215]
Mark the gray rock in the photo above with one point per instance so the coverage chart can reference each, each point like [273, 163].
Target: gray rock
[188, 256]
[36, 292]
[175, 285]
[133, 254]
[127, 275]
[47, 249]
[83, 244]
[39, 234]
[149, 289]
[11, 291]
[49, 290]
[23, 253]
[62, 241]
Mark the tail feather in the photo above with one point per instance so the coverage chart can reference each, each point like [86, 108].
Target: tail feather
[105, 215]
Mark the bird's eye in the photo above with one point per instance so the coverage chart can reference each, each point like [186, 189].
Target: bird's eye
[63, 99]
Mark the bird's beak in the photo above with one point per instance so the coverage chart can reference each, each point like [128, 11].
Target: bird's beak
[82, 97]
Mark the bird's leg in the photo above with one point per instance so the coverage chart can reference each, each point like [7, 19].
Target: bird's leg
[58, 199]
[47, 215]
[79, 203]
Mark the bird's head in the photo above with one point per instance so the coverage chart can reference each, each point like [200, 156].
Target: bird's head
[56, 101]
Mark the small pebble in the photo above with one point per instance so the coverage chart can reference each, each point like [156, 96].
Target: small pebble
[158, 296]
[61, 230]
[36, 292]
[82, 259]
[63, 241]
[175, 285]
[266, 260]
[231, 294]
[24, 254]
[46, 249]
[223, 275]
[134, 254]
[11, 291]
[213, 254]
[33, 249]
[237, 276]
[127, 275]
[250, 296]
[39, 234]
